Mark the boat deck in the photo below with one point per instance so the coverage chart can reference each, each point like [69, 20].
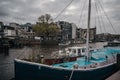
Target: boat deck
[115, 76]
[99, 58]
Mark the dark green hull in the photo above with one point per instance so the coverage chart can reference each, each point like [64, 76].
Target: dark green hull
[32, 71]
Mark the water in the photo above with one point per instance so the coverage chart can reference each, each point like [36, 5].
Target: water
[7, 62]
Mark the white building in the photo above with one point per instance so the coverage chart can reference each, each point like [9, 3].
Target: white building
[9, 32]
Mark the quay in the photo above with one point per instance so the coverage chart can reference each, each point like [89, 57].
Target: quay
[115, 76]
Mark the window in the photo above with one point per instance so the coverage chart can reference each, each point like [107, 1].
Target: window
[74, 50]
[79, 51]
[83, 50]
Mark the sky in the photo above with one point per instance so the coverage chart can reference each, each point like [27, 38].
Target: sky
[23, 11]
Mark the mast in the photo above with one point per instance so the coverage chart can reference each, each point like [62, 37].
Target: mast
[88, 30]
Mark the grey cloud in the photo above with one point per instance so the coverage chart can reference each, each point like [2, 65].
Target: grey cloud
[23, 11]
[3, 13]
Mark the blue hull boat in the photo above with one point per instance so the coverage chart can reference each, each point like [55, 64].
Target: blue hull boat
[96, 69]
[95, 65]
[33, 71]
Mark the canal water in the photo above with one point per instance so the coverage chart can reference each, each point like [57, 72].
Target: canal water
[7, 61]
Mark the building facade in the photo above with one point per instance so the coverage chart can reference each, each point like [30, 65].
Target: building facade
[67, 31]
[82, 34]
[107, 37]
[9, 32]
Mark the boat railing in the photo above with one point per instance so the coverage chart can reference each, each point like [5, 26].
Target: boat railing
[109, 61]
[99, 64]
[88, 66]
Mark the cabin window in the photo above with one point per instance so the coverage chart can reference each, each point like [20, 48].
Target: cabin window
[79, 51]
[83, 50]
[69, 50]
[74, 50]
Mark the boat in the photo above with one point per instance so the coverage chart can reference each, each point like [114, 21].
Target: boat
[97, 64]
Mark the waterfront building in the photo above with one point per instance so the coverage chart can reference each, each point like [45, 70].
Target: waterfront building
[67, 31]
[115, 37]
[107, 37]
[18, 29]
[64, 30]
[81, 34]
[27, 31]
[27, 27]
[9, 32]
[24, 33]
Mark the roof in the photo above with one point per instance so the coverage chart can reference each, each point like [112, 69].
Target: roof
[76, 47]
[9, 27]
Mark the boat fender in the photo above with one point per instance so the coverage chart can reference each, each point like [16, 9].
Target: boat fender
[76, 66]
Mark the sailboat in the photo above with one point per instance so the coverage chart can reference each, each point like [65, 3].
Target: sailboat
[95, 65]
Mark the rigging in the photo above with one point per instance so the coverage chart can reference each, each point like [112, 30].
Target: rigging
[100, 3]
[63, 10]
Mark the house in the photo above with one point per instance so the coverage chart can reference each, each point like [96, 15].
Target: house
[9, 32]
[23, 31]
[27, 31]
[67, 31]
[82, 33]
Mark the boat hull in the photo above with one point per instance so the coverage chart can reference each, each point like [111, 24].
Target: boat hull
[33, 71]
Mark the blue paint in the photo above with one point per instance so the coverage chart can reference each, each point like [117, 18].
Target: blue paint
[69, 65]
[97, 56]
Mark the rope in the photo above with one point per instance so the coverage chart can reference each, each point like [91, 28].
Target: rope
[62, 10]
[107, 16]
[98, 16]
[71, 75]
[102, 20]
[81, 13]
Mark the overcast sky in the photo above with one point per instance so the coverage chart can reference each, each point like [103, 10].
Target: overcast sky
[22, 11]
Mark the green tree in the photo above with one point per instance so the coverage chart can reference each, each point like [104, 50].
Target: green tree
[46, 28]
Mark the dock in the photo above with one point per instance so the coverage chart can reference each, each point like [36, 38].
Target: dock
[115, 76]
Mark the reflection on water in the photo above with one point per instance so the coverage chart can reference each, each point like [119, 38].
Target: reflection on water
[6, 62]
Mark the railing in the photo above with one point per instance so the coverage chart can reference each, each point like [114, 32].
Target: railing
[99, 64]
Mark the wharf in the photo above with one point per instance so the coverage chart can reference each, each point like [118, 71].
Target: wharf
[115, 76]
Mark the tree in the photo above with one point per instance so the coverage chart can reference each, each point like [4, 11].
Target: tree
[46, 28]
[45, 18]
